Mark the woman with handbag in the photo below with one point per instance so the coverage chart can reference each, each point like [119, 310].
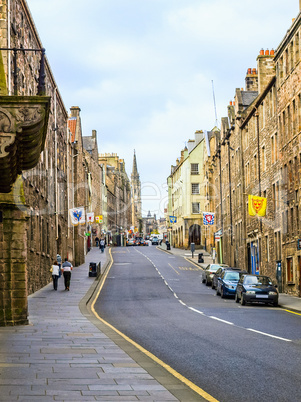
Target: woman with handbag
[55, 271]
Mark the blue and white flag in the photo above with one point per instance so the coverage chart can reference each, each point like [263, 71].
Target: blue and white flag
[208, 218]
[77, 216]
[173, 219]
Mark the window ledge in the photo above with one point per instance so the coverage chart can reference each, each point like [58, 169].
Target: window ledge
[290, 283]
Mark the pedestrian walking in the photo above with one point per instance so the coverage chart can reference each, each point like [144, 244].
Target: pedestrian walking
[67, 268]
[55, 274]
[102, 245]
[97, 241]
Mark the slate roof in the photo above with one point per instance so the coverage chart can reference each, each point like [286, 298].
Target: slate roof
[248, 97]
[89, 143]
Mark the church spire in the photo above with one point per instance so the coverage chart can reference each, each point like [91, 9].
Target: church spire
[135, 169]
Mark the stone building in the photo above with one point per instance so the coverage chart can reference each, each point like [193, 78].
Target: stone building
[186, 193]
[149, 225]
[287, 141]
[259, 154]
[96, 188]
[119, 201]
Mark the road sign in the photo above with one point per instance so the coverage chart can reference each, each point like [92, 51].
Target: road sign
[173, 219]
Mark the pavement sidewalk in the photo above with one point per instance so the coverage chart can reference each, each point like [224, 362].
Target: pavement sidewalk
[285, 301]
[67, 354]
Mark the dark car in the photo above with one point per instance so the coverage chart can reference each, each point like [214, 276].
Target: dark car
[227, 282]
[155, 241]
[256, 289]
[208, 272]
[218, 274]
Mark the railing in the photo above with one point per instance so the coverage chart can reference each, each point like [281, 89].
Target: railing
[42, 75]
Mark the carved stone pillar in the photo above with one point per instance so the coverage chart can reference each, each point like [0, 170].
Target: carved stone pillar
[23, 128]
[13, 257]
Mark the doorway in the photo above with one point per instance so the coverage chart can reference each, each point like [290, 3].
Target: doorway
[195, 234]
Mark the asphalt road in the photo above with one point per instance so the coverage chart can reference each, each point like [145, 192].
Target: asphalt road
[233, 352]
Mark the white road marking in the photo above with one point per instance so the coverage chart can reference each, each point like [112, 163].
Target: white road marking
[219, 319]
[272, 336]
[196, 311]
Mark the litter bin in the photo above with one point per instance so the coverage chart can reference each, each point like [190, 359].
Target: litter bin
[92, 269]
[167, 245]
[201, 259]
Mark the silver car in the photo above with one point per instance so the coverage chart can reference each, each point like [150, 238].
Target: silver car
[208, 272]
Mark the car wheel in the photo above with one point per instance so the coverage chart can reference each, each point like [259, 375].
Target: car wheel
[242, 300]
[222, 293]
[217, 292]
[207, 283]
[203, 280]
[212, 285]
[236, 298]
[275, 304]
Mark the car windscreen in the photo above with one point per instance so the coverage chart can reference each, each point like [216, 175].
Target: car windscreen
[258, 280]
[231, 276]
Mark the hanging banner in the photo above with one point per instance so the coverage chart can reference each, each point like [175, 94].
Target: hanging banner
[257, 205]
[90, 217]
[77, 216]
[98, 218]
[208, 218]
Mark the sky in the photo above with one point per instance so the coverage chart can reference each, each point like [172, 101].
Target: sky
[143, 71]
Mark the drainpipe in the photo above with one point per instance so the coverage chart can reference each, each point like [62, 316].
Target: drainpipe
[230, 192]
[8, 45]
[55, 166]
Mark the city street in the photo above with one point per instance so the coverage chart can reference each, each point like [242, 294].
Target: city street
[233, 352]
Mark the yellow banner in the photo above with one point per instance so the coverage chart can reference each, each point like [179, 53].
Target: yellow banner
[257, 205]
[98, 218]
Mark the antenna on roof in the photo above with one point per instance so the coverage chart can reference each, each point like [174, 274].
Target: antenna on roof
[216, 120]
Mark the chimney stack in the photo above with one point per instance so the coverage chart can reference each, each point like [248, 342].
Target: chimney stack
[251, 79]
[266, 68]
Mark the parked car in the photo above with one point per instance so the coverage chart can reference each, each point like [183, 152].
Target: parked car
[208, 272]
[227, 282]
[256, 288]
[130, 242]
[155, 241]
[218, 274]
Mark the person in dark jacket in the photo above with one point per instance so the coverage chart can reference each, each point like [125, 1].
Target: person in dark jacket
[67, 268]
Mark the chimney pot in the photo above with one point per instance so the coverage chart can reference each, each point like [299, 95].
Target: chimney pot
[249, 70]
[272, 52]
[254, 71]
[230, 103]
[261, 52]
[267, 52]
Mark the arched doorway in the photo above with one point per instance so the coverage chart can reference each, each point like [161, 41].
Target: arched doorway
[195, 234]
